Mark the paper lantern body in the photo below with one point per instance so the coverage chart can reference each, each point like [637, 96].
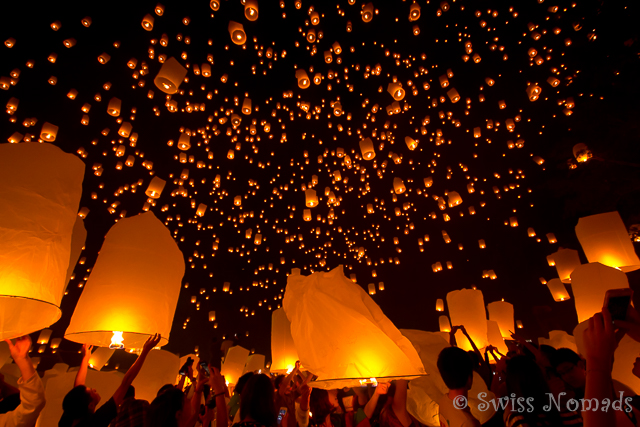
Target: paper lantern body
[604, 239]
[160, 368]
[170, 76]
[134, 285]
[255, 363]
[444, 324]
[565, 260]
[234, 363]
[624, 357]
[466, 307]
[40, 189]
[494, 336]
[100, 357]
[590, 282]
[319, 306]
[283, 351]
[558, 290]
[502, 313]
[559, 339]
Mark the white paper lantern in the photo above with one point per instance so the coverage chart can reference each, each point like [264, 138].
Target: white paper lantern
[319, 306]
[161, 367]
[590, 282]
[171, 74]
[283, 351]
[466, 308]
[100, 357]
[502, 313]
[565, 260]
[233, 365]
[255, 363]
[40, 190]
[624, 358]
[133, 288]
[494, 335]
[604, 239]
[558, 290]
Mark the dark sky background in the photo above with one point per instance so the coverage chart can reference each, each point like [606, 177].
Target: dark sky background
[599, 70]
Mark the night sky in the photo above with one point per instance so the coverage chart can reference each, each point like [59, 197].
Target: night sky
[491, 56]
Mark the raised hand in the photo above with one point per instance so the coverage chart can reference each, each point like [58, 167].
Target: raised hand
[20, 350]
[86, 352]
[216, 381]
[382, 388]
[600, 341]
[151, 342]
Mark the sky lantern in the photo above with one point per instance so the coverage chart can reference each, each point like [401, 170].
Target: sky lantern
[412, 144]
[398, 186]
[319, 306]
[155, 187]
[251, 10]
[495, 338]
[439, 304]
[113, 109]
[170, 76]
[445, 325]
[255, 363]
[147, 22]
[558, 290]
[367, 12]
[311, 199]
[590, 282]
[604, 239]
[367, 150]
[283, 350]
[48, 132]
[40, 189]
[466, 307]
[133, 288]
[303, 79]
[502, 313]
[233, 365]
[582, 153]
[566, 260]
[160, 368]
[396, 91]
[236, 31]
[453, 198]
[414, 12]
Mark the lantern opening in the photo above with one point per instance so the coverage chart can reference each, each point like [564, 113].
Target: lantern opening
[116, 341]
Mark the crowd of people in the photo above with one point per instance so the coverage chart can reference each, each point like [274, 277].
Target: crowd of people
[534, 385]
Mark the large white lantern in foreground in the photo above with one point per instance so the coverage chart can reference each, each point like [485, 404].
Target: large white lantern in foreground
[604, 239]
[40, 189]
[234, 362]
[133, 288]
[502, 313]
[283, 350]
[321, 307]
[590, 283]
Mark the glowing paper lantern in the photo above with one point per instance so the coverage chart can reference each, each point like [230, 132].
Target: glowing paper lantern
[40, 189]
[44, 336]
[590, 282]
[624, 358]
[445, 325]
[398, 186]
[133, 288]
[319, 306]
[255, 363]
[502, 313]
[170, 76]
[565, 260]
[233, 365]
[494, 335]
[283, 351]
[559, 339]
[155, 187]
[466, 307]
[236, 31]
[367, 150]
[100, 357]
[311, 199]
[160, 368]
[604, 239]
[558, 290]
[439, 305]
[251, 10]
[303, 79]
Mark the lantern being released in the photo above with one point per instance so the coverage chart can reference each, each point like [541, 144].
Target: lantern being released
[590, 283]
[133, 288]
[502, 313]
[566, 260]
[234, 362]
[283, 351]
[466, 308]
[319, 306]
[40, 189]
[604, 239]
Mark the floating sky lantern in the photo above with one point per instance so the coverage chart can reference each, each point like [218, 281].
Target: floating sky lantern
[466, 308]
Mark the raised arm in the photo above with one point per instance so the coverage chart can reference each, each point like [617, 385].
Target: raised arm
[370, 407]
[81, 376]
[217, 383]
[285, 383]
[133, 371]
[400, 402]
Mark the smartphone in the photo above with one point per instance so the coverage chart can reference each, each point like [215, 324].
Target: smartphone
[617, 301]
[205, 366]
[281, 414]
[185, 368]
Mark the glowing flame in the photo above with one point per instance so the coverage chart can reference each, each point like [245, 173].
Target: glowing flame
[116, 340]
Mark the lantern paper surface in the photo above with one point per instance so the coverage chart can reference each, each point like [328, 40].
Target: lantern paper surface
[558, 290]
[624, 358]
[161, 367]
[494, 335]
[234, 362]
[319, 307]
[255, 363]
[133, 288]
[78, 238]
[590, 283]
[502, 313]
[100, 357]
[466, 308]
[283, 351]
[425, 392]
[559, 339]
[40, 189]
[604, 239]
[566, 260]
[5, 354]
